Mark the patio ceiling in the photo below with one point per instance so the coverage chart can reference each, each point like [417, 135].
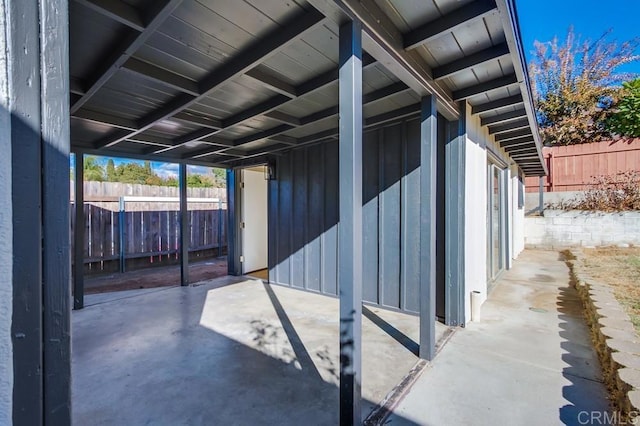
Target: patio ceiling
[230, 82]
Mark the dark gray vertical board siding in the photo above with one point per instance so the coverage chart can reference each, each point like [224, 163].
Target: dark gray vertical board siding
[306, 215]
[299, 207]
[411, 220]
[273, 235]
[443, 134]
[390, 219]
[370, 189]
[25, 97]
[285, 205]
[314, 217]
[330, 236]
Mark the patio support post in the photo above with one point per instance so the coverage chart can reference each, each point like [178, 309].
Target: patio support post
[350, 229]
[233, 222]
[184, 226]
[35, 258]
[455, 156]
[78, 233]
[428, 199]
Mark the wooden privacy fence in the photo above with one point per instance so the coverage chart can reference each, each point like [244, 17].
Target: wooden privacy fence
[119, 239]
[572, 167]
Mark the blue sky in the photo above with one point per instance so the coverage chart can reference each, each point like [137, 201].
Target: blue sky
[543, 19]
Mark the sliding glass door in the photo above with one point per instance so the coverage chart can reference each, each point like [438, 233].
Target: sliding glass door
[495, 222]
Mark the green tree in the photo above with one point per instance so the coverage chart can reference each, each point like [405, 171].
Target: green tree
[625, 117]
[111, 170]
[575, 84]
[93, 171]
[219, 177]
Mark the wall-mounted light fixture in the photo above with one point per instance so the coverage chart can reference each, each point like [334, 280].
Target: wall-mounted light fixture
[270, 171]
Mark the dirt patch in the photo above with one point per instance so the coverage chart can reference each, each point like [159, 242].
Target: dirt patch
[163, 276]
[619, 268]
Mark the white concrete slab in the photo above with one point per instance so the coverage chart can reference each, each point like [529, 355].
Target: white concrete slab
[528, 362]
[229, 351]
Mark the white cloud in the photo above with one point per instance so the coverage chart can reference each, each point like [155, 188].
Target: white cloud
[165, 170]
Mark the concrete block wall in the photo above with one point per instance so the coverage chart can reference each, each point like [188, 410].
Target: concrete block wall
[574, 228]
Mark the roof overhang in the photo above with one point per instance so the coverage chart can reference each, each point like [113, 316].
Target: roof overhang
[224, 84]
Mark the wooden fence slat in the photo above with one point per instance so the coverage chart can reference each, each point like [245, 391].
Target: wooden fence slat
[147, 233]
[573, 167]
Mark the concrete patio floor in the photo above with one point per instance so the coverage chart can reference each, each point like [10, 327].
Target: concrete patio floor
[228, 351]
[530, 360]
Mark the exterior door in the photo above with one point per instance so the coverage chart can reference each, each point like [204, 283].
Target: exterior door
[253, 219]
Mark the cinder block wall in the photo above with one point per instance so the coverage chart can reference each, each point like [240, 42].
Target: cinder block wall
[558, 228]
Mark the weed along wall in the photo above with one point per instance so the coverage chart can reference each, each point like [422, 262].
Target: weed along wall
[578, 228]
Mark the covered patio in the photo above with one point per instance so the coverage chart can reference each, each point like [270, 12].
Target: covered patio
[232, 350]
[374, 120]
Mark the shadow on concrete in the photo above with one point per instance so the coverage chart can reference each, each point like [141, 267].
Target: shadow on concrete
[392, 331]
[152, 359]
[585, 376]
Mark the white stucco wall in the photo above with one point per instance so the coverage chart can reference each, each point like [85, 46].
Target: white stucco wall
[6, 235]
[475, 248]
[479, 143]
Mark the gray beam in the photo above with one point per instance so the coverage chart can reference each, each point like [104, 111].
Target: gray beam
[267, 107]
[350, 230]
[504, 117]
[455, 154]
[515, 152]
[129, 46]
[150, 140]
[126, 124]
[200, 120]
[106, 119]
[428, 201]
[393, 115]
[118, 11]
[371, 97]
[497, 83]
[56, 238]
[265, 134]
[184, 225]
[161, 75]
[501, 128]
[196, 135]
[490, 54]
[512, 134]
[377, 120]
[283, 118]
[517, 141]
[447, 23]
[383, 40]
[520, 149]
[497, 104]
[242, 62]
[263, 75]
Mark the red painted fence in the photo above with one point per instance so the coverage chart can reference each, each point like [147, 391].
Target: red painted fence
[572, 167]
